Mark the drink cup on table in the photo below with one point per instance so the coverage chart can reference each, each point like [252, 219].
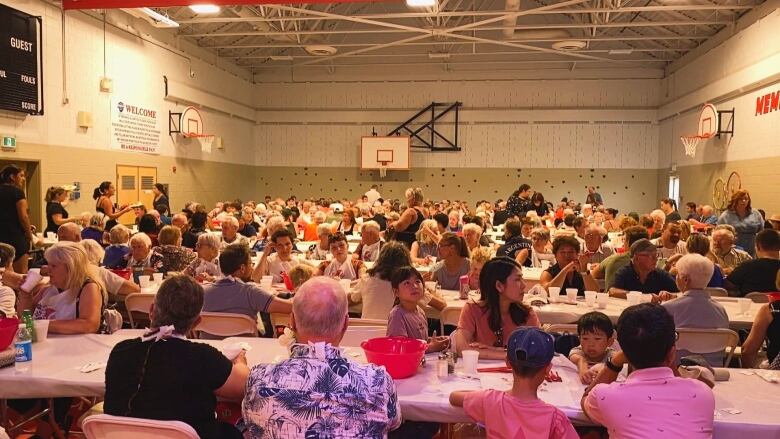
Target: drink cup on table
[744, 305]
[470, 360]
[590, 298]
[602, 299]
[158, 278]
[554, 293]
[41, 330]
[634, 297]
[144, 281]
[571, 295]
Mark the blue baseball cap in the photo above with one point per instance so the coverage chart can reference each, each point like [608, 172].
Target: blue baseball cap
[530, 347]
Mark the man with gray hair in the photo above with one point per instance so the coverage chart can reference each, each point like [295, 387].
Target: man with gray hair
[694, 308]
[370, 242]
[69, 232]
[642, 275]
[725, 253]
[319, 390]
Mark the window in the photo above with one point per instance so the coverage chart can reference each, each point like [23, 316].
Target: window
[674, 188]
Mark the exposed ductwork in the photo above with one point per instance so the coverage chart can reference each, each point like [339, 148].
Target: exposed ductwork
[511, 22]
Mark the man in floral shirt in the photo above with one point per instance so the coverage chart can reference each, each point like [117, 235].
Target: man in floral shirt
[318, 393]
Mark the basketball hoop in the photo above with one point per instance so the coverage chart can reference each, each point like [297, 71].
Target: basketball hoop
[205, 140]
[690, 143]
[382, 169]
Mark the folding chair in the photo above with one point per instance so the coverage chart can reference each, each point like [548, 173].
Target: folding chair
[139, 303]
[449, 316]
[358, 334]
[758, 297]
[717, 292]
[562, 328]
[367, 322]
[222, 324]
[120, 427]
[555, 317]
[706, 341]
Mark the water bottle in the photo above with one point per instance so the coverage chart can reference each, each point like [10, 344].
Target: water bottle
[28, 321]
[23, 347]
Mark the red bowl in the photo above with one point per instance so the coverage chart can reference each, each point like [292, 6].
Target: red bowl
[8, 328]
[123, 272]
[401, 356]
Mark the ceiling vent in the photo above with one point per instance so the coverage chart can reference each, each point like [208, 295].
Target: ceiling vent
[569, 45]
[321, 50]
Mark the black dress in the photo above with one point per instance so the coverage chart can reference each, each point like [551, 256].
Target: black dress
[409, 235]
[11, 230]
[54, 208]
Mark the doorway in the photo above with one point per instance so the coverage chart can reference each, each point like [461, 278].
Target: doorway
[134, 185]
[34, 192]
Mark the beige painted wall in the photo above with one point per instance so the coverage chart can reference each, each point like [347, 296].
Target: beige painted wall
[204, 181]
[759, 176]
[625, 189]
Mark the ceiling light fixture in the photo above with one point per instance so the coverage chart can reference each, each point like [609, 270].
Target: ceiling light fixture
[160, 18]
[280, 58]
[420, 3]
[205, 9]
[621, 51]
[438, 55]
[569, 45]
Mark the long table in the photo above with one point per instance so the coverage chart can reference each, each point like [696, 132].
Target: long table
[423, 397]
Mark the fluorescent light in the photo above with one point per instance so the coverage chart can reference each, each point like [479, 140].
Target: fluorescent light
[420, 3]
[160, 18]
[438, 55]
[281, 58]
[621, 51]
[205, 9]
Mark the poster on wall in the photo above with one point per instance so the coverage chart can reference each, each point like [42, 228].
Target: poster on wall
[20, 62]
[134, 127]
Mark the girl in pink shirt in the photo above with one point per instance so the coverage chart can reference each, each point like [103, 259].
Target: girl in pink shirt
[485, 325]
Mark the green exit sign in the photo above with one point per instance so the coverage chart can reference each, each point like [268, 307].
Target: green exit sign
[9, 142]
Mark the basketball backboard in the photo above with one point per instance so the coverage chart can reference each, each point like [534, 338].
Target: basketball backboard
[385, 153]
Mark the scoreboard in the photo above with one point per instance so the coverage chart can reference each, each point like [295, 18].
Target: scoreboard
[21, 62]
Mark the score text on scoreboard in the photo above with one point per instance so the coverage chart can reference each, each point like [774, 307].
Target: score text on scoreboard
[21, 65]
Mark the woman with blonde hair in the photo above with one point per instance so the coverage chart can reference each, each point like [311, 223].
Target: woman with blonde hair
[56, 215]
[408, 224]
[425, 247]
[75, 299]
[479, 258]
[746, 221]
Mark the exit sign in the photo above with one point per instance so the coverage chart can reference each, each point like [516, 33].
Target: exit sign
[9, 142]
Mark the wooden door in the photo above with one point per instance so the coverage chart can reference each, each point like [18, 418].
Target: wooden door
[126, 190]
[147, 177]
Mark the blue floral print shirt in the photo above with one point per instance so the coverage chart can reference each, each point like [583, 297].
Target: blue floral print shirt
[319, 394]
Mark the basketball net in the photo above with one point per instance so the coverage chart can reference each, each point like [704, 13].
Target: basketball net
[382, 169]
[205, 140]
[690, 143]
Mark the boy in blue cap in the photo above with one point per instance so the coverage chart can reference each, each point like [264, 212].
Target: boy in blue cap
[518, 413]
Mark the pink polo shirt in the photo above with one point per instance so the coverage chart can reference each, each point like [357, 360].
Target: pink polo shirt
[653, 403]
[506, 417]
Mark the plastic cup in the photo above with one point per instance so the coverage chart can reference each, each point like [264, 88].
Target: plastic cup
[645, 298]
[345, 283]
[430, 286]
[602, 299]
[470, 360]
[33, 278]
[41, 329]
[590, 298]
[744, 305]
[554, 293]
[545, 264]
[634, 297]
[51, 235]
[144, 281]
[571, 295]
[158, 278]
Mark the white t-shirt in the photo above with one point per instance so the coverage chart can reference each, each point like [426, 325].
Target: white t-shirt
[7, 301]
[55, 305]
[372, 196]
[276, 266]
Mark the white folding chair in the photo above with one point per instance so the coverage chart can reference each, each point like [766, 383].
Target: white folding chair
[279, 319]
[367, 322]
[717, 292]
[222, 324]
[139, 303]
[706, 341]
[120, 427]
[358, 334]
[758, 297]
[562, 328]
[449, 316]
[555, 317]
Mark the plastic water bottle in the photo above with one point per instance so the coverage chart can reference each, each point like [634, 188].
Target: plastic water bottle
[23, 347]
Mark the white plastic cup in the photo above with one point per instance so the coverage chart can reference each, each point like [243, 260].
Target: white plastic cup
[431, 286]
[590, 298]
[545, 264]
[634, 297]
[33, 278]
[554, 293]
[602, 299]
[645, 298]
[158, 278]
[51, 235]
[470, 360]
[41, 329]
[144, 281]
[744, 305]
[345, 283]
[571, 295]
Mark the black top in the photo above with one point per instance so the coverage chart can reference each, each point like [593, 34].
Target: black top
[9, 218]
[576, 280]
[500, 217]
[190, 237]
[178, 382]
[346, 232]
[381, 220]
[755, 275]
[54, 208]
[164, 201]
[517, 206]
[674, 216]
[658, 280]
[514, 245]
[408, 236]
[773, 332]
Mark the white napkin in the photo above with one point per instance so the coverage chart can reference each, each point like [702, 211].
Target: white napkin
[231, 351]
[92, 366]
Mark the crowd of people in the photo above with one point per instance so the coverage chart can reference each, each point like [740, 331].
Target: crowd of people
[206, 255]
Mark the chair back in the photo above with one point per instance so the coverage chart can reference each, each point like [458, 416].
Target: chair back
[758, 297]
[120, 427]
[562, 328]
[449, 316]
[556, 317]
[139, 303]
[222, 324]
[717, 292]
[367, 322]
[705, 341]
[279, 319]
[358, 334]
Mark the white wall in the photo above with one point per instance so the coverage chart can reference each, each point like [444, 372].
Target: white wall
[503, 123]
[137, 67]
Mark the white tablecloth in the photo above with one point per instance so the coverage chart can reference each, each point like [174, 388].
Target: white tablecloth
[423, 397]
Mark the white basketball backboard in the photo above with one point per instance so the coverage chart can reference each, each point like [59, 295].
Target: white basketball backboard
[385, 152]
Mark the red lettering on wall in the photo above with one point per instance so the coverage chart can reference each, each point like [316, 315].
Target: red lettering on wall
[775, 101]
[768, 103]
[759, 105]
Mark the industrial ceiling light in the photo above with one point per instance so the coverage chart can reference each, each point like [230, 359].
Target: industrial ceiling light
[280, 58]
[569, 45]
[160, 18]
[420, 3]
[438, 55]
[205, 9]
[321, 50]
[621, 51]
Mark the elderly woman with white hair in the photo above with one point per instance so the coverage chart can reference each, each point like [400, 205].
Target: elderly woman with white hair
[115, 285]
[472, 234]
[320, 250]
[694, 308]
[425, 249]
[659, 218]
[230, 233]
[75, 298]
[206, 267]
[409, 222]
[142, 259]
